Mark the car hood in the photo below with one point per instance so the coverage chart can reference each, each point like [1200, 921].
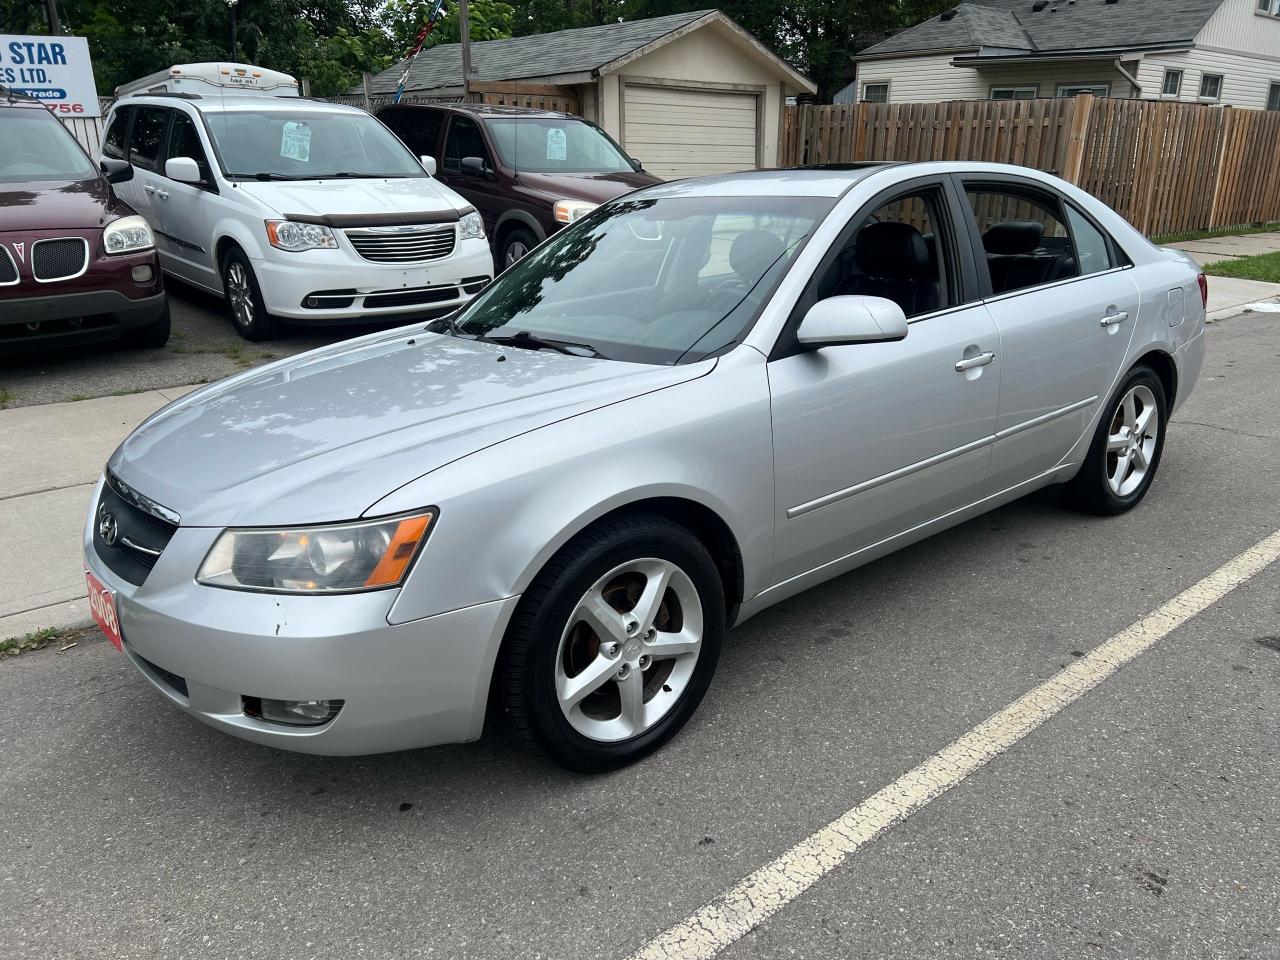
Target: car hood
[58, 205]
[325, 435]
[390, 195]
[592, 187]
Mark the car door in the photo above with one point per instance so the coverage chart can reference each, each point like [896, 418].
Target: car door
[182, 210]
[146, 141]
[1066, 309]
[464, 140]
[873, 439]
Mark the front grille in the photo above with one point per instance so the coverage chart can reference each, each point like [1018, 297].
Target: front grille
[8, 269]
[59, 259]
[412, 298]
[412, 244]
[138, 536]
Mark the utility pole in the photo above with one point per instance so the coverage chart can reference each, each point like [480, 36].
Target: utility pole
[55, 23]
[231, 6]
[464, 34]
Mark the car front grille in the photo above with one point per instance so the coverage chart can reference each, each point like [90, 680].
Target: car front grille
[411, 244]
[60, 259]
[8, 269]
[129, 531]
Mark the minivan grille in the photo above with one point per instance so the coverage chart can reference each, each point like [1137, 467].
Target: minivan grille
[59, 259]
[411, 244]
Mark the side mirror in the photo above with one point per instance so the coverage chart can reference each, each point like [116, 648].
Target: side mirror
[838, 320]
[116, 171]
[428, 164]
[183, 169]
[474, 167]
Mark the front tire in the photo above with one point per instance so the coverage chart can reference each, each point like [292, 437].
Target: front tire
[614, 644]
[515, 247]
[1126, 449]
[244, 298]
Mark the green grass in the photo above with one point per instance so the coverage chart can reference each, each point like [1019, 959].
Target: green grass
[32, 641]
[1265, 266]
[5, 396]
[1218, 232]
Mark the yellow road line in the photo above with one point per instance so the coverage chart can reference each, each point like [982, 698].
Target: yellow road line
[754, 899]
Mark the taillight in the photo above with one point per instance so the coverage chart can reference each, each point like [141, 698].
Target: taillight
[1204, 289]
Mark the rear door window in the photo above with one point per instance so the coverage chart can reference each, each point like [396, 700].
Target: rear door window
[1024, 236]
[419, 128]
[115, 139]
[147, 137]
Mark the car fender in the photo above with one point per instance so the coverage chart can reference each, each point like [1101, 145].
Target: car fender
[507, 509]
[524, 218]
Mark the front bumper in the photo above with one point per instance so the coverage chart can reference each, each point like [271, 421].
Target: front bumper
[320, 286]
[409, 685]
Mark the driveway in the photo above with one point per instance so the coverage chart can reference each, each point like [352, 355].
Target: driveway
[1138, 820]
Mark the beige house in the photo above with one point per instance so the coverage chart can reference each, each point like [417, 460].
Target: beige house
[687, 95]
[1200, 51]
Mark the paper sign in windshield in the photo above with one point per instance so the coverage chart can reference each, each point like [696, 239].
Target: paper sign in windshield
[295, 141]
[557, 144]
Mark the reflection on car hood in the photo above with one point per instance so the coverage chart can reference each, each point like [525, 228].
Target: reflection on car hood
[397, 195]
[58, 205]
[324, 435]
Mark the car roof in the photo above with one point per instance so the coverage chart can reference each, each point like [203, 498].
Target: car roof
[485, 110]
[231, 103]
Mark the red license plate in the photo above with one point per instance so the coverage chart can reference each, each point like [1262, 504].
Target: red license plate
[102, 604]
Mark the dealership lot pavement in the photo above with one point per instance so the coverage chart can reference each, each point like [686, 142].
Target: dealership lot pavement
[1138, 822]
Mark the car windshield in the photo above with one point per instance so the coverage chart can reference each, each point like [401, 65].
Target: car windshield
[651, 280]
[280, 144]
[556, 145]
[38, 148]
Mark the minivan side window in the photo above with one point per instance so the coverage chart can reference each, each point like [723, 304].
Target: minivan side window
[184, 141]
[113, 142]
[465, 140]
[1023, 234]
[419, 129]
[148, 134]
[1092, 251]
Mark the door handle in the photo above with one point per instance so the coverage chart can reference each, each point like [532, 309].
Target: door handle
[981, 360]
[149, 188]
[1111, 319]
[162, 194]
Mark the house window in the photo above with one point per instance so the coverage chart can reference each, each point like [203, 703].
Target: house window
[1273, 97]
[1271, 8]
[875, 93]
[1075, 89]
[1172, 85]
[1014, 93]
[1211, 86]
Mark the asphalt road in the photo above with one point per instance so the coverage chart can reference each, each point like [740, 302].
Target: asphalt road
[1140, 822]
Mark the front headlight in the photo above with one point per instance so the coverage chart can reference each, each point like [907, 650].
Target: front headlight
[127, 235]
[341, 558]
[294, 236]
[568, 211]
[471, 227]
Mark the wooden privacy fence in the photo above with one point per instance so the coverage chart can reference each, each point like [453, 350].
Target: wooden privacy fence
[1166, 167]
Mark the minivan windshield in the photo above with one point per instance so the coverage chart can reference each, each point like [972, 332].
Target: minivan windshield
[39, 148]
[281, 144]
[651, 280]
[556, 145]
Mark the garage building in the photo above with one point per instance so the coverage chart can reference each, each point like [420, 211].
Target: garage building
[688, 95]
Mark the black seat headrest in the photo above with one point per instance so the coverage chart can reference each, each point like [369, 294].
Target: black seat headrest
[893, 251]
[1013, 237]
[753, 252]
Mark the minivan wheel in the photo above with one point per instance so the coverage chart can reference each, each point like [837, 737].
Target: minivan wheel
[614, 644]
[1125, 453]
[244, 298]
[516, 247]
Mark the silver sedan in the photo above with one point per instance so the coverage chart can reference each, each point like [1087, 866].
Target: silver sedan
[701, 399]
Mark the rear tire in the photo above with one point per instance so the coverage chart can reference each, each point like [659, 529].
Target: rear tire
[614, 644]
[151, 337]
[244, 298]
[1126, 448]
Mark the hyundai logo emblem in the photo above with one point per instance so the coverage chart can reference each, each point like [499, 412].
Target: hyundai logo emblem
[108, 529]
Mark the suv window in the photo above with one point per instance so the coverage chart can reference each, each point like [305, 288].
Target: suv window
[184, 141]
[147, 135]
[418, 127]
[113, 142]
[1024, 236]
[465, 140]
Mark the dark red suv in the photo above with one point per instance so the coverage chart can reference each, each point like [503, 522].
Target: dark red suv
[528, 172]
[76, 264]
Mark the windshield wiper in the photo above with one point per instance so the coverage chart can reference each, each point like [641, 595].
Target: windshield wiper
[523, 338]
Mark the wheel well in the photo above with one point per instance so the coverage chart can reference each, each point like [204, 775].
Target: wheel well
[1164, 367]
[510, 226]
[220, 250]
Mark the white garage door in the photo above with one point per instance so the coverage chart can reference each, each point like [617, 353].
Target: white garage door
[690, 133]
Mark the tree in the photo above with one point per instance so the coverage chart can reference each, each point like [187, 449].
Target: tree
[402, 19]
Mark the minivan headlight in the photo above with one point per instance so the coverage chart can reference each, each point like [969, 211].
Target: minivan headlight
[335, 558]
[471, 227]
[127, 235]
[291, 235]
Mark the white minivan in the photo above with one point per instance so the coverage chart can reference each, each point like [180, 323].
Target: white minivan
[293, 209]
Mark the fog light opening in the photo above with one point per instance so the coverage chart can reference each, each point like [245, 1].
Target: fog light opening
[142, 273]
[294, 713]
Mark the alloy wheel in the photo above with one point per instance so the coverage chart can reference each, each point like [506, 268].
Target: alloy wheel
[516, 251]
[240, 294]
[1131, 440]
[629, 650]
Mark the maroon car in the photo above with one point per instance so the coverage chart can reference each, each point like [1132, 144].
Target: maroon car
[528, 172]
[76, 264]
